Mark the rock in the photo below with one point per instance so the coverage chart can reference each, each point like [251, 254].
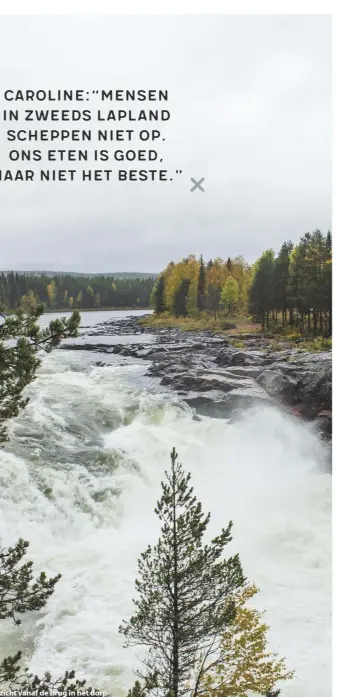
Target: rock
[251, 336]
[230, 357]
[216, 378]
[228, 325]
[222, 405]
[166, 380]
[151, 354]
[314, 392]
[198, 347]
[247, 371]
[237, 415]
[278, 385]
[212, 380]
[323, 424]
[95, 348]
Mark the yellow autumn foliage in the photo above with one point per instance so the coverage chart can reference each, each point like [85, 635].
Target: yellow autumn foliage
[51, 292]
[216, 274]
[244, 664]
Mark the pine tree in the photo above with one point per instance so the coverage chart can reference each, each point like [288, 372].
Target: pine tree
[215, 274]
[300, 279]
[17, 592]
[20, 593]
[328, 280]
[14, 294]
[280, 279]
[180, 298]
[261, 290]
[201, 286]
[20, 340]
[158, 295]
[183, 589]
[150, 683]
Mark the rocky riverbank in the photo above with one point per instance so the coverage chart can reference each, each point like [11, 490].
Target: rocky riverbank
[217, 379]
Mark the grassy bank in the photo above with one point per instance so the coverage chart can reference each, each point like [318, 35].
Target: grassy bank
[235, 328]
[222, 323]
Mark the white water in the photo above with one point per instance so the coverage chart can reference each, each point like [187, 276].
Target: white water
[80, 479]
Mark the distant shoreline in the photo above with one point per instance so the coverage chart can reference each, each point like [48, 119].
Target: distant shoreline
[97, 309]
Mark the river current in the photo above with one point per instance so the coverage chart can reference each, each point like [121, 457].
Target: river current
[80, 478]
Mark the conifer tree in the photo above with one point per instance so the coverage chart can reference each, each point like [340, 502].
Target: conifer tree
[20, 593]
[201, 286]
[299, 280]
[180, 298]
[17, 592]
[183, 587]
[280, 279]
[215, 274]
[328, 280]
[20, 340]
[144, 689]
[229, 265]
[261, 291]
[158, 295]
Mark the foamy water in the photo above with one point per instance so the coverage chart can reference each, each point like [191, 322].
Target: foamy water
[80, 479]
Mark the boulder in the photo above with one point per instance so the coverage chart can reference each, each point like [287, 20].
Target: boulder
[278, 385]
[230, 357]
[323, 424]
[222, 404]
[314, 392]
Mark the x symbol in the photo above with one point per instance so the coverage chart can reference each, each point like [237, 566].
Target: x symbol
[197, 185]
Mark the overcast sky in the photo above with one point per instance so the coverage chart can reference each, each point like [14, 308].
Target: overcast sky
[250, 103]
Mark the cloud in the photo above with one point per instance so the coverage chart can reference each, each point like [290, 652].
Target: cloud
[250, 102]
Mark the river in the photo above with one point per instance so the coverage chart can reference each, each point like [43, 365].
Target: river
[80, 478]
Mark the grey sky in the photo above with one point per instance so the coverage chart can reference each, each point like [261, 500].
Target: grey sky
[250, 102]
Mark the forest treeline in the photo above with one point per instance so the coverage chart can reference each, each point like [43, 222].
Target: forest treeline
[60, 291]
[293, 287]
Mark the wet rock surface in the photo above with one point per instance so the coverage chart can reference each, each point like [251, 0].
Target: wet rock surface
[217, 379]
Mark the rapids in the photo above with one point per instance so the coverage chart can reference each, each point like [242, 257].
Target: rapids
[80, 478]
